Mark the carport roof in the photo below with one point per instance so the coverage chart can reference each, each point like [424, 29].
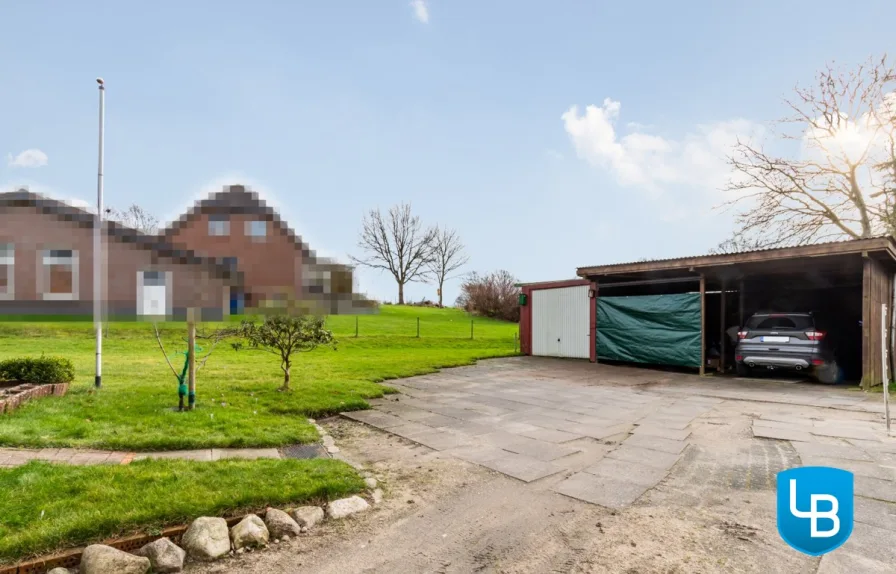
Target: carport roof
[885, 244]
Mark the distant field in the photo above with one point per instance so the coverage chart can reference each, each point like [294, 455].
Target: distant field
[237, 401]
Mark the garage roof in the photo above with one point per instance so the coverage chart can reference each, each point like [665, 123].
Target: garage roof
[885, 244]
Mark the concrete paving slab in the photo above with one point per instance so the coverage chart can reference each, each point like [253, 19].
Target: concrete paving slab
[375, 418]
[661, 431]
[442, 439]
[652, 458]
[875, 488]
[875, 513]
[627, 471]
[656, 443]
[848, 452]
[410, 429]
[858, 468]
[245, 453]
[541, 450]
[844, 431]
[516, 427]
[845, 562]
[551, 435]
[522, 467]
[887, 445]
[478, 454]
[470, 428]
[760, 431]
[607, 492]
[200, 455]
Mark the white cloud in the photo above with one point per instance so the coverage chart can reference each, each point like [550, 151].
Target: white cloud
[651, 162]
[28, 158]
[421, 11]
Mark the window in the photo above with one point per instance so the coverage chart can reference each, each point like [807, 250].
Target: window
[7, 264]
[218, 225]
[780, 322]
[230, 262]
[257, 230]
[154, 278]
[59, 275]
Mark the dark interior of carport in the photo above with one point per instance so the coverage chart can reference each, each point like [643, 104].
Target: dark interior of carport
[844, 284]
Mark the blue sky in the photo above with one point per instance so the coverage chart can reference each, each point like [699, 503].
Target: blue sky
[466, 109]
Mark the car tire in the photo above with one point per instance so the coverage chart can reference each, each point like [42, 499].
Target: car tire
[743, 370]
[829, 373]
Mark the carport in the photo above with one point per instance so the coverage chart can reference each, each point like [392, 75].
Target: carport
[677, 311]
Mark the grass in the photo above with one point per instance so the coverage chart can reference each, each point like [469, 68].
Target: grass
[45, 507]
[238, 404]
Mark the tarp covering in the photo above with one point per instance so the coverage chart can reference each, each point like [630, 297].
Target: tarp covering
[655, 329]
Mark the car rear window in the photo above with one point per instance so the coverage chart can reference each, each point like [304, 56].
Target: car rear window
[780, 322]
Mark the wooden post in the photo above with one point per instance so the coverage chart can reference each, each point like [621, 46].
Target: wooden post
[722, 328]
[740, 304]
[356, 326]
[885, 376]
[418, 327]
[191, 351]
[702, 325]
[471, 328]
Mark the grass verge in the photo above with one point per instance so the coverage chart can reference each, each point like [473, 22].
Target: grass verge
[46, 507]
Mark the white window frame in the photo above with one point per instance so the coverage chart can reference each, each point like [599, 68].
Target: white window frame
[169, 284]
[218, 227]
[252, 226]
[44, 259]
[8, 260]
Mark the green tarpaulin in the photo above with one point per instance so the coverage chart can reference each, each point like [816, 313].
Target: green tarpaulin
[655, 329]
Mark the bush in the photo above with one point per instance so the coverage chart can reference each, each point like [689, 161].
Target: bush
[494, 295]
[43, 370]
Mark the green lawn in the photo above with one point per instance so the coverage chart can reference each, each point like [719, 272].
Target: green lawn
[238, 404]
[46, 507]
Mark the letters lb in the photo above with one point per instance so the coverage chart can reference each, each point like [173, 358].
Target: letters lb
[815, 508]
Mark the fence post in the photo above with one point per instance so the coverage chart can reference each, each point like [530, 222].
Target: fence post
[356, 326]
[418, 327]
[471, 328]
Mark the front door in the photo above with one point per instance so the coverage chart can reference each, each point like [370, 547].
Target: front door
[153, 293]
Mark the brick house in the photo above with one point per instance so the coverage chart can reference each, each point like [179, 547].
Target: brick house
[228, 252]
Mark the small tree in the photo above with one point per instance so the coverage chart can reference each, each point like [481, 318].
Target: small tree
[447, 256]
[284, 335]
[494, 295]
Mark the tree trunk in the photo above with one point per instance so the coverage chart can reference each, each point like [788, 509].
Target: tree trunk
[441, 287]
[285, 386]
[401, 293]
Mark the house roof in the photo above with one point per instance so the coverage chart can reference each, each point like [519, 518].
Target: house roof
[238, 199]
[880, 244]
[157, 245]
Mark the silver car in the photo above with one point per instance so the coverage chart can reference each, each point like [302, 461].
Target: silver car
[786, 341]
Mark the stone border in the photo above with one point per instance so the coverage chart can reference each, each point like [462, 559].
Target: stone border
[26, 391]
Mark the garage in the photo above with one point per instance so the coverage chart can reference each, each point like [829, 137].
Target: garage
[687, 312]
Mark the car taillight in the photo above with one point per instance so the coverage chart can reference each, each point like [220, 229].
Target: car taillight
[817, 362]
[815, 335]
[742, 334]
[739, 358]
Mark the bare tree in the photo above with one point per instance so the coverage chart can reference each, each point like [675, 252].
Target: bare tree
[835, 187]
[447, 256]
[397, 243]
[494, 295]
[135, 217]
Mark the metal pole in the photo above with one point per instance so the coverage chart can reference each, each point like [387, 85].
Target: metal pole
[97, 246]
[884, 374]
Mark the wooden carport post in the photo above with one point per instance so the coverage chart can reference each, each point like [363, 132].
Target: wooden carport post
[702, 325]
[722, 338]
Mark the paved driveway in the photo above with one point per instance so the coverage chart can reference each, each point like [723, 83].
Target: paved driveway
[610, 435]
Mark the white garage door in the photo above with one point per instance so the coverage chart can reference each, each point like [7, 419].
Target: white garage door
[560, 320]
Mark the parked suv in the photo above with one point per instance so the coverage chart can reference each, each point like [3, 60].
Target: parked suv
[787, 341]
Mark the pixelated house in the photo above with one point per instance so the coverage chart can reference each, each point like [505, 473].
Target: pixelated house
[228, 254]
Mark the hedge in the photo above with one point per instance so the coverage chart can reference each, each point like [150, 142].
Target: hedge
[41, 370]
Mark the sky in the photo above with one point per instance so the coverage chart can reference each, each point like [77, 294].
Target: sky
[550, 135]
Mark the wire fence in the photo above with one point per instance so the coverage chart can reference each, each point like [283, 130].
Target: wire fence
[421, 327]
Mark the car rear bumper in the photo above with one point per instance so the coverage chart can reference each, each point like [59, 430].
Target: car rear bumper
[798, 363]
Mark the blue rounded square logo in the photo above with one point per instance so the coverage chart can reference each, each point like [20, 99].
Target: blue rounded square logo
[815, 508]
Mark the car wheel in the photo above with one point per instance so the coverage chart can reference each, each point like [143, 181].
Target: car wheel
[743, 370]
[829, 373]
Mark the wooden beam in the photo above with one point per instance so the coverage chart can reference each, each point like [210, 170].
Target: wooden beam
[722, 329]
[740, 304]
[702, 325]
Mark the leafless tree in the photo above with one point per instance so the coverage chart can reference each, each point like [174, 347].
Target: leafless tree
[836, 186]
[135, 217]
[447, 256]
[396, 243]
